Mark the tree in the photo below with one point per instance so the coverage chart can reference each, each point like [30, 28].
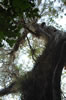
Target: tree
[43, 82]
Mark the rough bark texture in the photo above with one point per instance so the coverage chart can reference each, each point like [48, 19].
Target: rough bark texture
[44, 83]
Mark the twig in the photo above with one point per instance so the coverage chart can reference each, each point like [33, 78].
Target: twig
[32, 50]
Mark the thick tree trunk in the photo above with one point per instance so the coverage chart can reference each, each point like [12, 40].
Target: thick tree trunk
[43, 83]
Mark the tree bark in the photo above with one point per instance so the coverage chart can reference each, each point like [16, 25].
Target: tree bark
[43, 82]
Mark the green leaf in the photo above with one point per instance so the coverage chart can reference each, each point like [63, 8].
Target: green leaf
[1, 35]
[11, 42]
[21, 5]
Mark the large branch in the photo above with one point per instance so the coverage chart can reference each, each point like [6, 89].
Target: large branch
[47, 32]
[37, 30]
[8, 90]
[19, 41]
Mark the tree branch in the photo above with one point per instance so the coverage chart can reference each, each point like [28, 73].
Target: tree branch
[18, 42]
[8, 90]
[32, 50]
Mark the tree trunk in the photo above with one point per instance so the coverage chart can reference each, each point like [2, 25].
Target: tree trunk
[43, 82]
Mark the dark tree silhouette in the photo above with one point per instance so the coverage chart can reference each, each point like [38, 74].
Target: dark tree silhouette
[43, 82]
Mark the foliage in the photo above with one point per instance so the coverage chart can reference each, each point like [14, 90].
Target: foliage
[11, 13]
[15, 11]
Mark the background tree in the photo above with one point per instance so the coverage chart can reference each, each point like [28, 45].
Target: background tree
[17, 20]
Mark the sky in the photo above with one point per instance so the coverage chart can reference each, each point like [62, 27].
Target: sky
[62, 22]
[59, 20]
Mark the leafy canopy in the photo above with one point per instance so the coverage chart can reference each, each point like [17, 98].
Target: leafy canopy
[14, 12]
[11, 14]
